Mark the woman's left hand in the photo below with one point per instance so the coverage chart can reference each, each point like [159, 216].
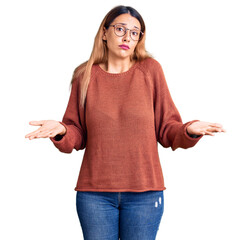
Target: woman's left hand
[204, 128]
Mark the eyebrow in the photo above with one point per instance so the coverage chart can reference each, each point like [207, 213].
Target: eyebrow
[126, 24]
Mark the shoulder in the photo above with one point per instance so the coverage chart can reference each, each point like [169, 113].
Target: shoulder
[151, 66]
[154, 73]
[150, 61]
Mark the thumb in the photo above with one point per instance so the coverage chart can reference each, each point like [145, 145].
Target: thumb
[36, 123]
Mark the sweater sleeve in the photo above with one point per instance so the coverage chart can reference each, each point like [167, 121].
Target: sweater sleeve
[73, 121]
[170, 130]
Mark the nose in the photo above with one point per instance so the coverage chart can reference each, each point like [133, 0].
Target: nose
[127, 36]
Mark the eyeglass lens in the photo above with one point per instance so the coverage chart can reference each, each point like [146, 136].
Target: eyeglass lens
[120, 31]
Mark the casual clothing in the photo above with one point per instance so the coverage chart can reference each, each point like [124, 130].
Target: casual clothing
[124, 215]
[124, 118]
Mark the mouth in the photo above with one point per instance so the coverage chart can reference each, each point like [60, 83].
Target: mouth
[124, 46]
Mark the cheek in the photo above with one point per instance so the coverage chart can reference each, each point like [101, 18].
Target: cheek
[133, 48]
[113, 43]
[110, 44]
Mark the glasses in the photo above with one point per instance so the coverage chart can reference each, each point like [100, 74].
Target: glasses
[121, 30]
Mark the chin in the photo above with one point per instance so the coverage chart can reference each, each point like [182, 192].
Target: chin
[124, 55]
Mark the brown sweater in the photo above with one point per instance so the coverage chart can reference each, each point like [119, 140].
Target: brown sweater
[124, 117]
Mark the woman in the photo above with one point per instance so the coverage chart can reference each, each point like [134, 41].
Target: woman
[119, 120]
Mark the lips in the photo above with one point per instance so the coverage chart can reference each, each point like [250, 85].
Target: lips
[124, 46]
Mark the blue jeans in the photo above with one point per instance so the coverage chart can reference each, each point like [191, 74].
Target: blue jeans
[120, 215]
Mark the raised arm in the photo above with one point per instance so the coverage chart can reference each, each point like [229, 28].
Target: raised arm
[73, 120]
[170, 130]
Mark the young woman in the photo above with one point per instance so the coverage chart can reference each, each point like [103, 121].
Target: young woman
[119, 108]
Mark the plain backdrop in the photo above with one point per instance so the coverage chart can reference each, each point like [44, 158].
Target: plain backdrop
[204, 49]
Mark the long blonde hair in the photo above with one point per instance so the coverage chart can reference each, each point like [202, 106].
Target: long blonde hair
[99, 52]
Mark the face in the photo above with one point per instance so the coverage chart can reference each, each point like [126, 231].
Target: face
[113, 41]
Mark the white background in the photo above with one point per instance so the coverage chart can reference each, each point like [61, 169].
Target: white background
[204, 49]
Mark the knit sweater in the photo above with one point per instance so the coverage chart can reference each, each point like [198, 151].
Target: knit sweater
[124, 118]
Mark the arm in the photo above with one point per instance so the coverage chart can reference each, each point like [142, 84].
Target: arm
[75, 135]
[170, 130]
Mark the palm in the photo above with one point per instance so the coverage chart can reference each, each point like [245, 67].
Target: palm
[48, 128]
[204, 128]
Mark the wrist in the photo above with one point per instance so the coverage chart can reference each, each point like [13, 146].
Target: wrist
[63, 132]
[192, 135]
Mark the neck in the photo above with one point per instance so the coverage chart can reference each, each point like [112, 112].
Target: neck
[118, 65]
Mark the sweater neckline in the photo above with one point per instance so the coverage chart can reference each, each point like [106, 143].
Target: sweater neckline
[101, 70]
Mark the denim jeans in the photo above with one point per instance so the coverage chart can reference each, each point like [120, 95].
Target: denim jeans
[120, 215]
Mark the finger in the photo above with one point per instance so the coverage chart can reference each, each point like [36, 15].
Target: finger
[214, 129]
[33, 133]
[36, 136]
[220, 130]
[209, 133]
[217, 130]
[36, 123]
[33, 137]
[41, 129]
[215, 125]
[41, 132]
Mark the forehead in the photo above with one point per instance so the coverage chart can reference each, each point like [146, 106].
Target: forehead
[127, 20]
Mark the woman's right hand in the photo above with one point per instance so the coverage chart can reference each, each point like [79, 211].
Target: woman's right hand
[49, 128]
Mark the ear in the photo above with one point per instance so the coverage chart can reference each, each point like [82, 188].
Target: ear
[104, 34]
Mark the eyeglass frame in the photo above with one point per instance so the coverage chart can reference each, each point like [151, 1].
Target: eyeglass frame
[126, 31]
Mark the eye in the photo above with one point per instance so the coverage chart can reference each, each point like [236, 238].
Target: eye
[119, 28]
[135, 33]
